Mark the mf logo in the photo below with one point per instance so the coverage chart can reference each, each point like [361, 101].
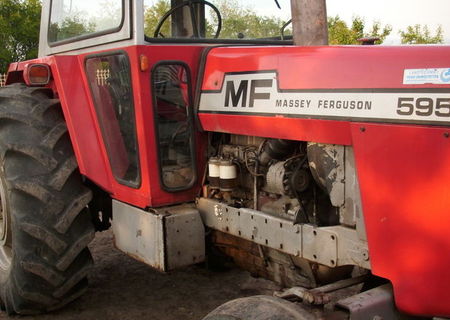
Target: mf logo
[246, 95]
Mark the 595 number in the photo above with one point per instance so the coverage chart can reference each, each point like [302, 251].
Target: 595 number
[424, 107]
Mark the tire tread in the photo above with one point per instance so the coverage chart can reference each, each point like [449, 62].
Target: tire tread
[47, 201]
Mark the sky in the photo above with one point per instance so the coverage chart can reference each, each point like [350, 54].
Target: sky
[398, 13]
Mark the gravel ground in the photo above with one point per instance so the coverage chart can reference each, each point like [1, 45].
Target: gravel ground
[124, 289]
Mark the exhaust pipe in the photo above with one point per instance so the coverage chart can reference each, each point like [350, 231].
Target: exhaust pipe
[309, 22]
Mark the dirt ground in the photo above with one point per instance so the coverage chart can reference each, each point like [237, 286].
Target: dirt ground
[124, 289]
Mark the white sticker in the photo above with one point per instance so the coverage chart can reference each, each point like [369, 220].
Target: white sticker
[424, 76]
[259, 93]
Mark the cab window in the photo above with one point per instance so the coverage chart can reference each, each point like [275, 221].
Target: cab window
[174, 125]
[215, 21]
[77, 19]
[111, 88]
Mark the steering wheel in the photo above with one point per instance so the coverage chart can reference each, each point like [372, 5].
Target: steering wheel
[284, 28]
[194, 21]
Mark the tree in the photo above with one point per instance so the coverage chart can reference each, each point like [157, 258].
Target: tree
[152, 16]
[340, 33]
[82, 18]
[70, 27]
[418, 34]
[19, 30]
[245, 21]
[235, 20]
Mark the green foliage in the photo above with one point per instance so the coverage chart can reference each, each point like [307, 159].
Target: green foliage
[245, 21]
[81, 19]
[236, 19]
[19, 30]
[340, 33]
[69, 28]
[418, 34]
[152, 16]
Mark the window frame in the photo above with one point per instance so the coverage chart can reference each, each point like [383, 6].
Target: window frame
[189, 117]
[266, 41]
[84, 36]
[132, 184]
[105, 39]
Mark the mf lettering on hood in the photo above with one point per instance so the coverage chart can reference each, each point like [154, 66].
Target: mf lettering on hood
[255, 92]
[259, 93]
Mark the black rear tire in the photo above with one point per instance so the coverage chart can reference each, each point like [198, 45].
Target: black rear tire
[44, 258]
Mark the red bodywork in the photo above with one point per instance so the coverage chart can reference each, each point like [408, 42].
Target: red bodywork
[403, 169]
[72, 87]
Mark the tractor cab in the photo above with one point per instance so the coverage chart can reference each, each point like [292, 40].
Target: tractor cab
[73, 25]
[156, 46]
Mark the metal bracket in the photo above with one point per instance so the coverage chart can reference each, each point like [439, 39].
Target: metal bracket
[331, 246]
[320, 245]
[377, 303]
[319, 296]
[256, 226]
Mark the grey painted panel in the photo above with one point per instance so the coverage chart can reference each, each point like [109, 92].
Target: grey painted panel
[164, 238]
[139, 234]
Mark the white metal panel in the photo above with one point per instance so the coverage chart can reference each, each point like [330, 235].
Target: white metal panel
[131, 33]
[165, 238]
[139, 234]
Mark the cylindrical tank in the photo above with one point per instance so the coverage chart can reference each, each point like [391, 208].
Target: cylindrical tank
[228, 175]
[214, 173]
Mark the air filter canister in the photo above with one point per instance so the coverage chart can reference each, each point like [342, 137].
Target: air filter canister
[214, 173]
[228, 175]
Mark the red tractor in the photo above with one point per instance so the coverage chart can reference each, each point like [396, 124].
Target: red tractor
[318, 167]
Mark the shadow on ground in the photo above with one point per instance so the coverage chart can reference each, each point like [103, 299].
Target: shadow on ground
[124, 289]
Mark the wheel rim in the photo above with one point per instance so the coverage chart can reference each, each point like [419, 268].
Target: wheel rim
[5, 231]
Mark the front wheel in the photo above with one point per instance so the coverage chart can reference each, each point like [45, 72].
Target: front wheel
[259, 308]
[44, 226]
